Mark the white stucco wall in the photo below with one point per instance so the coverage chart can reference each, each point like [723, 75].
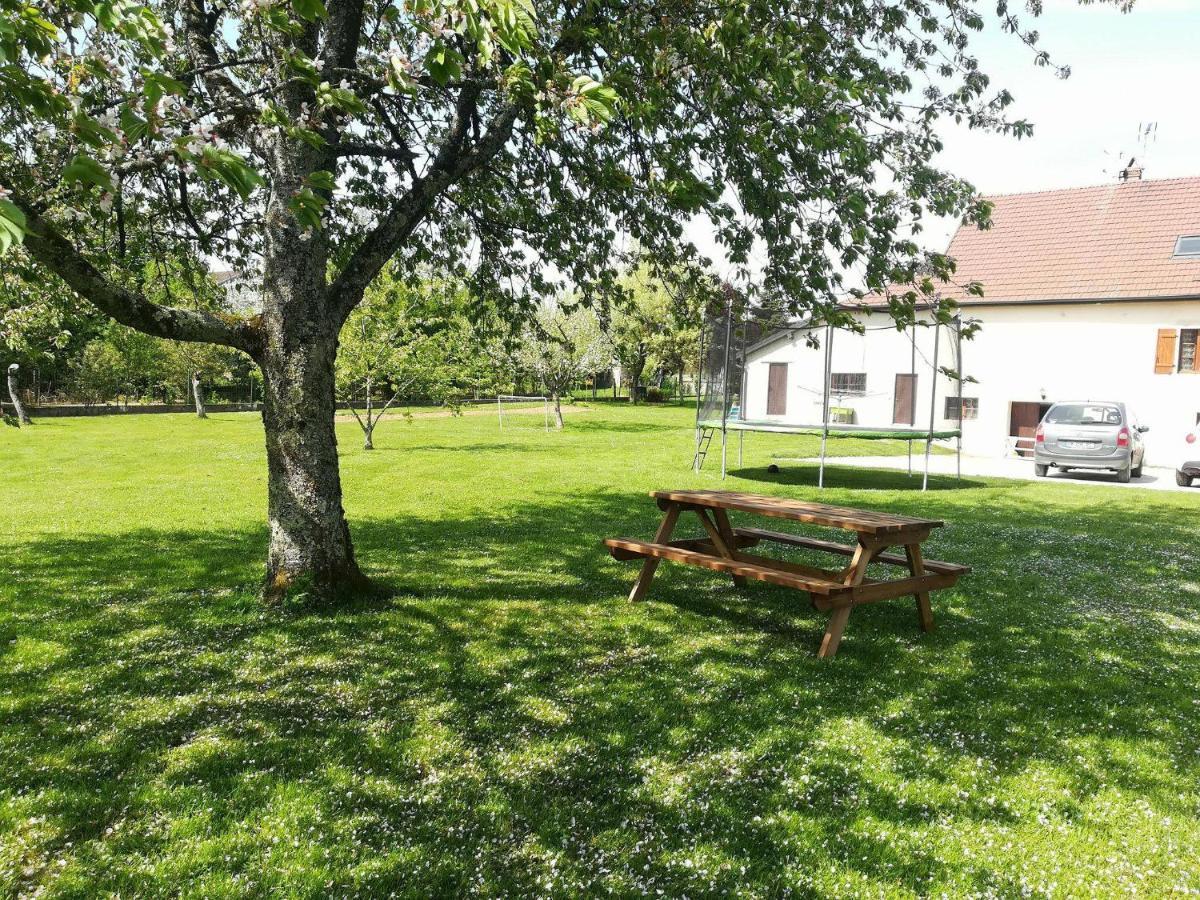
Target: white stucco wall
[1022, 353]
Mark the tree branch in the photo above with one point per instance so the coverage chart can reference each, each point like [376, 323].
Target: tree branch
[199, 26]
[449, 166]
[401, 154]
[55, 253]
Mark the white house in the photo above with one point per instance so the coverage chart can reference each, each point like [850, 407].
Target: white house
[243, 291]
[1089, 293]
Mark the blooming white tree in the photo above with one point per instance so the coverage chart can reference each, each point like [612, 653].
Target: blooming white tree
[561, 348]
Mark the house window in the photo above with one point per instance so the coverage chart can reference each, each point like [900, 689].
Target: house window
[1187, 350]
[848, 382]
[970, 408]
[1188, 245]
[1175, 351]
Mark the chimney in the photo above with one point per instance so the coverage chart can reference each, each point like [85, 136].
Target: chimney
[1131, 172]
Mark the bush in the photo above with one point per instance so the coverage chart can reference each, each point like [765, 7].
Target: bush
[655, 395]
[98, 373]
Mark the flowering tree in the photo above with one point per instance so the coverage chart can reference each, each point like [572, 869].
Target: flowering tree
[561, 348]
[486, 138]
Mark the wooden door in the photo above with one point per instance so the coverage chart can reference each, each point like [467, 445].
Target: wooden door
[1023, 422]
[777, 389]
[904, 408]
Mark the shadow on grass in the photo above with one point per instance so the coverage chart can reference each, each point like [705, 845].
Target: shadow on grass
[862, 479]
[583, 424]
[476, 447]
[507, 718]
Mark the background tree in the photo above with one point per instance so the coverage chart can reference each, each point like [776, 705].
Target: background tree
[481, 138]
[675, 348]
[638, 322]
[14, 396]
[99, 373]
[197, 365]
[561, 348]
[41, 330]
[411, 342]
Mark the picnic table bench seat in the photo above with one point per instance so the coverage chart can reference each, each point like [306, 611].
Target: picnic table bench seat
[833, 590]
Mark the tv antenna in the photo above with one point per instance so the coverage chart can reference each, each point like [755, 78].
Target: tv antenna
[1147, 134]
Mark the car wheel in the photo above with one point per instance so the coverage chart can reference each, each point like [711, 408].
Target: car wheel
[1040, 470]
[1182, 479]
[1123, 475]
[1137, 472]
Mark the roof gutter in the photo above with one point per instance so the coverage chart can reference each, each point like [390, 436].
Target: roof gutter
[1091, 301]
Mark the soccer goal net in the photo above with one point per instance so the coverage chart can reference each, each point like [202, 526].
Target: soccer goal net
[517, 411]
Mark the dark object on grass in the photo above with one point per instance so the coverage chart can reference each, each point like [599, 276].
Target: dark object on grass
[773, 469]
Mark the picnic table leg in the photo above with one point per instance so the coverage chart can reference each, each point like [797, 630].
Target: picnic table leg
[833, 632]
[651, 564]
[852, 575]
[725, 529]
[916, 565]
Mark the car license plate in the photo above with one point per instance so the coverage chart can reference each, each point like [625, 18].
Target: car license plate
[1078, 445]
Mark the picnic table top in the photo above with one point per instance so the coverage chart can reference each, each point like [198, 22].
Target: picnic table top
[861, 520]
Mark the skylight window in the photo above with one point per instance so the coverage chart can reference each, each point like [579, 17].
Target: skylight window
[1188, 245]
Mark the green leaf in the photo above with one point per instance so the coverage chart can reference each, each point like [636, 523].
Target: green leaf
[133, 125]
[321, 181]
[598, 101]
[444, 64]
[86, 170]
[158, 84]
[230, 169]
[310, 10]
[12, 226]
[307, 207]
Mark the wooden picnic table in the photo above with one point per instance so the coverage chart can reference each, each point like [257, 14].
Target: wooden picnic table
[833, 591]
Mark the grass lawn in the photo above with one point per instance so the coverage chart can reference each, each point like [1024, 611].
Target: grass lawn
[507, 724]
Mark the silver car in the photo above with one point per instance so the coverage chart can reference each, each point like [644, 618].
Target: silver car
[1090, 434]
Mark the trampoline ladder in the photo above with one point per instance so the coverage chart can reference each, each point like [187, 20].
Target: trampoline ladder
[702, 448]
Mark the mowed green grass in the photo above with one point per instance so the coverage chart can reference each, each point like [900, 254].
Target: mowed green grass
[506, 724]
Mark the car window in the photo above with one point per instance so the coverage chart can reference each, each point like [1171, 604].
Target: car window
[1083, 414]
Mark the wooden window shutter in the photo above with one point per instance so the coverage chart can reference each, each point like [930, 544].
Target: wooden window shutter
[1164, 356]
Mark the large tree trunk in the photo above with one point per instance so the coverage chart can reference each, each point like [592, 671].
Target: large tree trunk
[15, 396]
[310, 551]
[310, 554]
[198, 396]
[558, 419]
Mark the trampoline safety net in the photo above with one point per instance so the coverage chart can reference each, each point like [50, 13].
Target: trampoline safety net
[729, 329]
[726, 333]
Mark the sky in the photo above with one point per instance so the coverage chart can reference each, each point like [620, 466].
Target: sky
[1126, 70]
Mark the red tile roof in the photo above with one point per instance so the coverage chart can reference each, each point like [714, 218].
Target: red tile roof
[1114, 241]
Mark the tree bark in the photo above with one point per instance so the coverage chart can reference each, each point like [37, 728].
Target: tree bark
[310, 551]
[15, 397]
[310, 555]
[369, 429]
[635, 381]
[558, 419]
[198, 397]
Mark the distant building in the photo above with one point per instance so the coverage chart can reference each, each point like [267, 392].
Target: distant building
[1089, 293]
[243, 291]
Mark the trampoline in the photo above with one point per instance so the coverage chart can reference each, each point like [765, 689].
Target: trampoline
[721, 408]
